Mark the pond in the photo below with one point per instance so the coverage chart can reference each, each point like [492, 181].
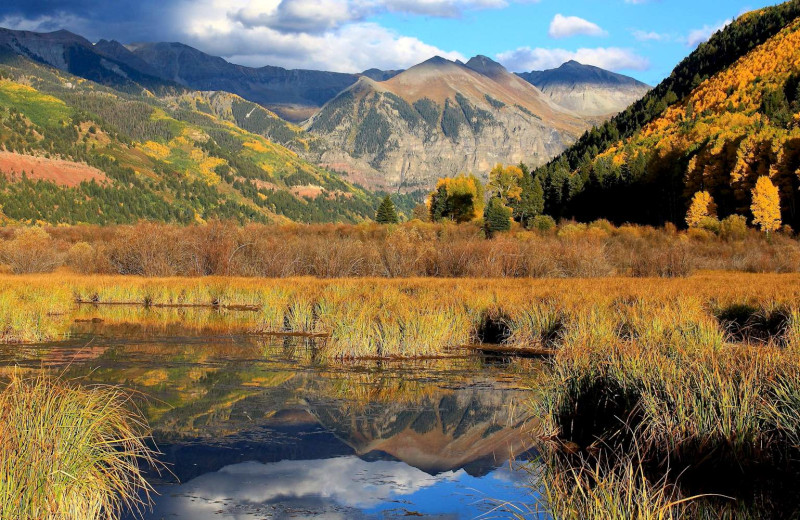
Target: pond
[254, 427]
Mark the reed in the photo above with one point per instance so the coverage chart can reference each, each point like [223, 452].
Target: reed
[70, 452]
[609, 491]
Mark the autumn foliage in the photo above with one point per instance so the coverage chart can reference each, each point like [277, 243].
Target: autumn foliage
[766, 205]
[702, 207]
[736, 125]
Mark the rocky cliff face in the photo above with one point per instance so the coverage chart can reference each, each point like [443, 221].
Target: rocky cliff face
[442, 118]
[586, 90]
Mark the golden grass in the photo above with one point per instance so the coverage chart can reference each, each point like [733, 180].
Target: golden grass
[70, 452]
[415, 317]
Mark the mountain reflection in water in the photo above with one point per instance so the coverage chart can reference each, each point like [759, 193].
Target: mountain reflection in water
[255, 427]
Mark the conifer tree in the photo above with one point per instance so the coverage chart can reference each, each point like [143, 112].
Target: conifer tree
[387, 214]
[531, 201]
[766, 206]
[496, 217]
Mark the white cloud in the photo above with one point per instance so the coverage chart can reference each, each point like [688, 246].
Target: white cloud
[651, 36]
[320, 15]
[610, 58]
[298, 15]
[353, 47]
[565, 26]
[698, 36]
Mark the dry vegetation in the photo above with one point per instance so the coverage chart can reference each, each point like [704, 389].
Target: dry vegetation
[410, 250]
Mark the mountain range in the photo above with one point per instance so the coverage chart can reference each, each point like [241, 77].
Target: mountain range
[385, 130]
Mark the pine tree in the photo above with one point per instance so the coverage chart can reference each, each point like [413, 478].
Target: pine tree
[701, 208]
[439, 203]
[766, 206]
[496, 217]
[531, 201]
[387, 214]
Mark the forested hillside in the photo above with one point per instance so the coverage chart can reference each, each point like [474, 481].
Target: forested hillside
[725, 116]
[76, 151]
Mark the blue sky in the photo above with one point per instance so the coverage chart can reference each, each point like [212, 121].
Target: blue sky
[642, 38]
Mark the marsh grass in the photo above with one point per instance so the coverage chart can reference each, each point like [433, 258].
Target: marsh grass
[609, 491]
[70, 452]
[697, 373]
[375, 317]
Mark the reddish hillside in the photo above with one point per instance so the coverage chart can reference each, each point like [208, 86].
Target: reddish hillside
[63, 173]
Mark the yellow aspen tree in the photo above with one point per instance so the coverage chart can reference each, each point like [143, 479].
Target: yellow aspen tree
[702, 207]
[766, 206]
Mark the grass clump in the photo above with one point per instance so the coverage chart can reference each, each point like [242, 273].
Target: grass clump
[70, 452]
[603, 491]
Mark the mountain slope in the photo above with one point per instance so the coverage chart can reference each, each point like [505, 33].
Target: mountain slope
[77, 151]
[74, 54]
[728, 114]
[293, 94]
[441, 118]
[587, 90]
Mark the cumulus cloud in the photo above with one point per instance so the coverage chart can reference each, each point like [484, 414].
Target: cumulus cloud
[315, 34]
[698, 36]
[320, 15]
[352, 48]
[610, 58]
[312, 16]
[565, 26]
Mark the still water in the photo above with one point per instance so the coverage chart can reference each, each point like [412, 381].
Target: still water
[255, 427]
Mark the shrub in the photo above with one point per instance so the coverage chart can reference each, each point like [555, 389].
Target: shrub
[31, 251]
[733, 227]
[711, 224]
[81, 258]
[543, 223]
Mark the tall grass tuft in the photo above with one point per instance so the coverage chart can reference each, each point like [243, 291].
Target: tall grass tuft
[70, 452]
[606, 491]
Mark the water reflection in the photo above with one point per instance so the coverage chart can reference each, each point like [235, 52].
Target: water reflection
[257, 427]
[342, 487]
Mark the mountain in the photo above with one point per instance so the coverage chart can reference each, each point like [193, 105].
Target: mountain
[443, 117]
[727, 115]
[295, 95]
[587, 90]
[117, 151]
[71, 53]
